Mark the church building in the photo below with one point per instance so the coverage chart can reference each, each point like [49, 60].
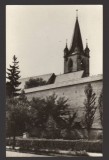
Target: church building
[71, 84]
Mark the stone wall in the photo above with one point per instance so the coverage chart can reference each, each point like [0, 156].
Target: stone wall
[73, 91]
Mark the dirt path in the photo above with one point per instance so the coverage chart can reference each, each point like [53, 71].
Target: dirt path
[17, 154]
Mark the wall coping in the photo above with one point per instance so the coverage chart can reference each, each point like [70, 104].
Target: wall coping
[65, 83]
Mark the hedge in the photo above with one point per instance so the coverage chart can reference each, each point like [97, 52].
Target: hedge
[57, 144]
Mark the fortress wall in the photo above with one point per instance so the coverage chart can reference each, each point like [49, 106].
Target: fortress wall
[73, 91]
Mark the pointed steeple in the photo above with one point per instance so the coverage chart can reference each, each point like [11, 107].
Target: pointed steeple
[77, 40]
[76, 13]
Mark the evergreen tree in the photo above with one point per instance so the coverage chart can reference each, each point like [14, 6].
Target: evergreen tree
[90, 107]
[13, 77]
[22, 96]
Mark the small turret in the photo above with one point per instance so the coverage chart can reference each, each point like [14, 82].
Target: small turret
[87, 50]
[66, 51]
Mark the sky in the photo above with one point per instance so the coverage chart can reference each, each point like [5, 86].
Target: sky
[37, 35]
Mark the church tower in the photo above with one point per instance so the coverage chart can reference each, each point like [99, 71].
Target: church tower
[76, 58]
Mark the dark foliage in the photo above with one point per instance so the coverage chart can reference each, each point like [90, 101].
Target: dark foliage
[48, 115]
[51, 144]
[37, 115]
[51, 115]
[16, 116]
[22, 97]
[34, 83]
[71, 125]
[90, 107]
[13, 79]
[57, 108]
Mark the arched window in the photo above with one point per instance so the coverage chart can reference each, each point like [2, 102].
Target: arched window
[70, 65]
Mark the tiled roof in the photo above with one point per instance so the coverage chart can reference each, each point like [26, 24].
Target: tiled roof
[65, 83]
[69, 76]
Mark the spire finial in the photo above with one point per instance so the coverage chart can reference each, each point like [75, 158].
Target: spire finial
[76, 13]
[86, 42]
[66, 43]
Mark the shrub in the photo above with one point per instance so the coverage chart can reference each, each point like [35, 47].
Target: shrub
[77, 145]
[34, 83]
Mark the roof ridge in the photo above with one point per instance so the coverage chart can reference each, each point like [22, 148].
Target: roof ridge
[36, 76]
